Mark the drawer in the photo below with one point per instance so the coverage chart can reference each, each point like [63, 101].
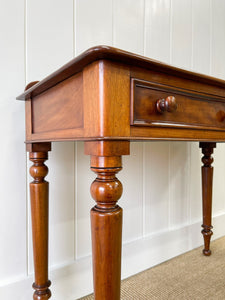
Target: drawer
[154, 104]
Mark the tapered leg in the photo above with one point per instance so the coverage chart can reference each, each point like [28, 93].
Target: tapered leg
[207, 182]
[39, 213]
[106, 223]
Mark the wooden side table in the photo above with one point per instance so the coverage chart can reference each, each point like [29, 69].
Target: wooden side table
[108, 97]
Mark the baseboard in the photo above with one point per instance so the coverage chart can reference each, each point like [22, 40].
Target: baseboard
[75, 280]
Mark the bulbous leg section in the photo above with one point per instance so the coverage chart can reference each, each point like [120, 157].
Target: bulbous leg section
[106, 216]
[106, 223]
[42, 292]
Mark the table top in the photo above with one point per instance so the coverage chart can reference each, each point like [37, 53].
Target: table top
[108, 93]
[113, 54]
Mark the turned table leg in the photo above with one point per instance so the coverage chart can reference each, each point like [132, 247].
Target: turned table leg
[39, 214]
[106, 220]
[207, 182]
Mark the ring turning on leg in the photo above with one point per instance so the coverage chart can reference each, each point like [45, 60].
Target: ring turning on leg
[106, 216]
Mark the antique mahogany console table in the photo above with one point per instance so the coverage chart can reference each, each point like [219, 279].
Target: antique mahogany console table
[108, 97]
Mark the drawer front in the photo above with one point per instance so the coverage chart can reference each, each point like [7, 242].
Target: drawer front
[156, 104]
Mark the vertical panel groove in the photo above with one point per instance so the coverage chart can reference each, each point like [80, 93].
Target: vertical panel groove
[169, 165]
[75, 147]
[188, 183]
[192, 37]
[27, 221]
[26, 166]
[143, 190]
[144, 28]
[169, 182]
[75, 201]
[171, 33]
[74, 46]
[25, 42]
[210, 41]
[113, 23]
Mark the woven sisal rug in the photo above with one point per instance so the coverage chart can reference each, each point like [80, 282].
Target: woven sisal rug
[189, 276]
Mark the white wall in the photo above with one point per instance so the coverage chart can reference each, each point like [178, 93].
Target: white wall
[162, 193]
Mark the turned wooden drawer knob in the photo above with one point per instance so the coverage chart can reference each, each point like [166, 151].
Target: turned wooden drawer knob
[169, 104]
[220, 116]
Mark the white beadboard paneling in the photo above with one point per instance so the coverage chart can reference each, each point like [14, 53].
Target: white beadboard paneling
[195, 183]
[49, 36]
[160, 247]
[61, 179]
[157, 29]
[181, 34]
[128, 25]
[156, 155]
[201, 36]
[49, 45]
[218, 38]
[131, 201]
[156, 178]
[218, 70]
[84, 202]
[179, 183]
[61, 205]
[93, 23]
[128, 28]
[12, 150]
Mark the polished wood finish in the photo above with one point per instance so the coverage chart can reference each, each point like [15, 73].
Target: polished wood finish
[55, 109]
[168, 104]
[107, 148]
[109, 97]
[165, 106]
[39, 213]
[207, 183]
[106, 224]
[30, 84]
[107, 53]
[117, 106]
[38, 147]
[106, 217]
